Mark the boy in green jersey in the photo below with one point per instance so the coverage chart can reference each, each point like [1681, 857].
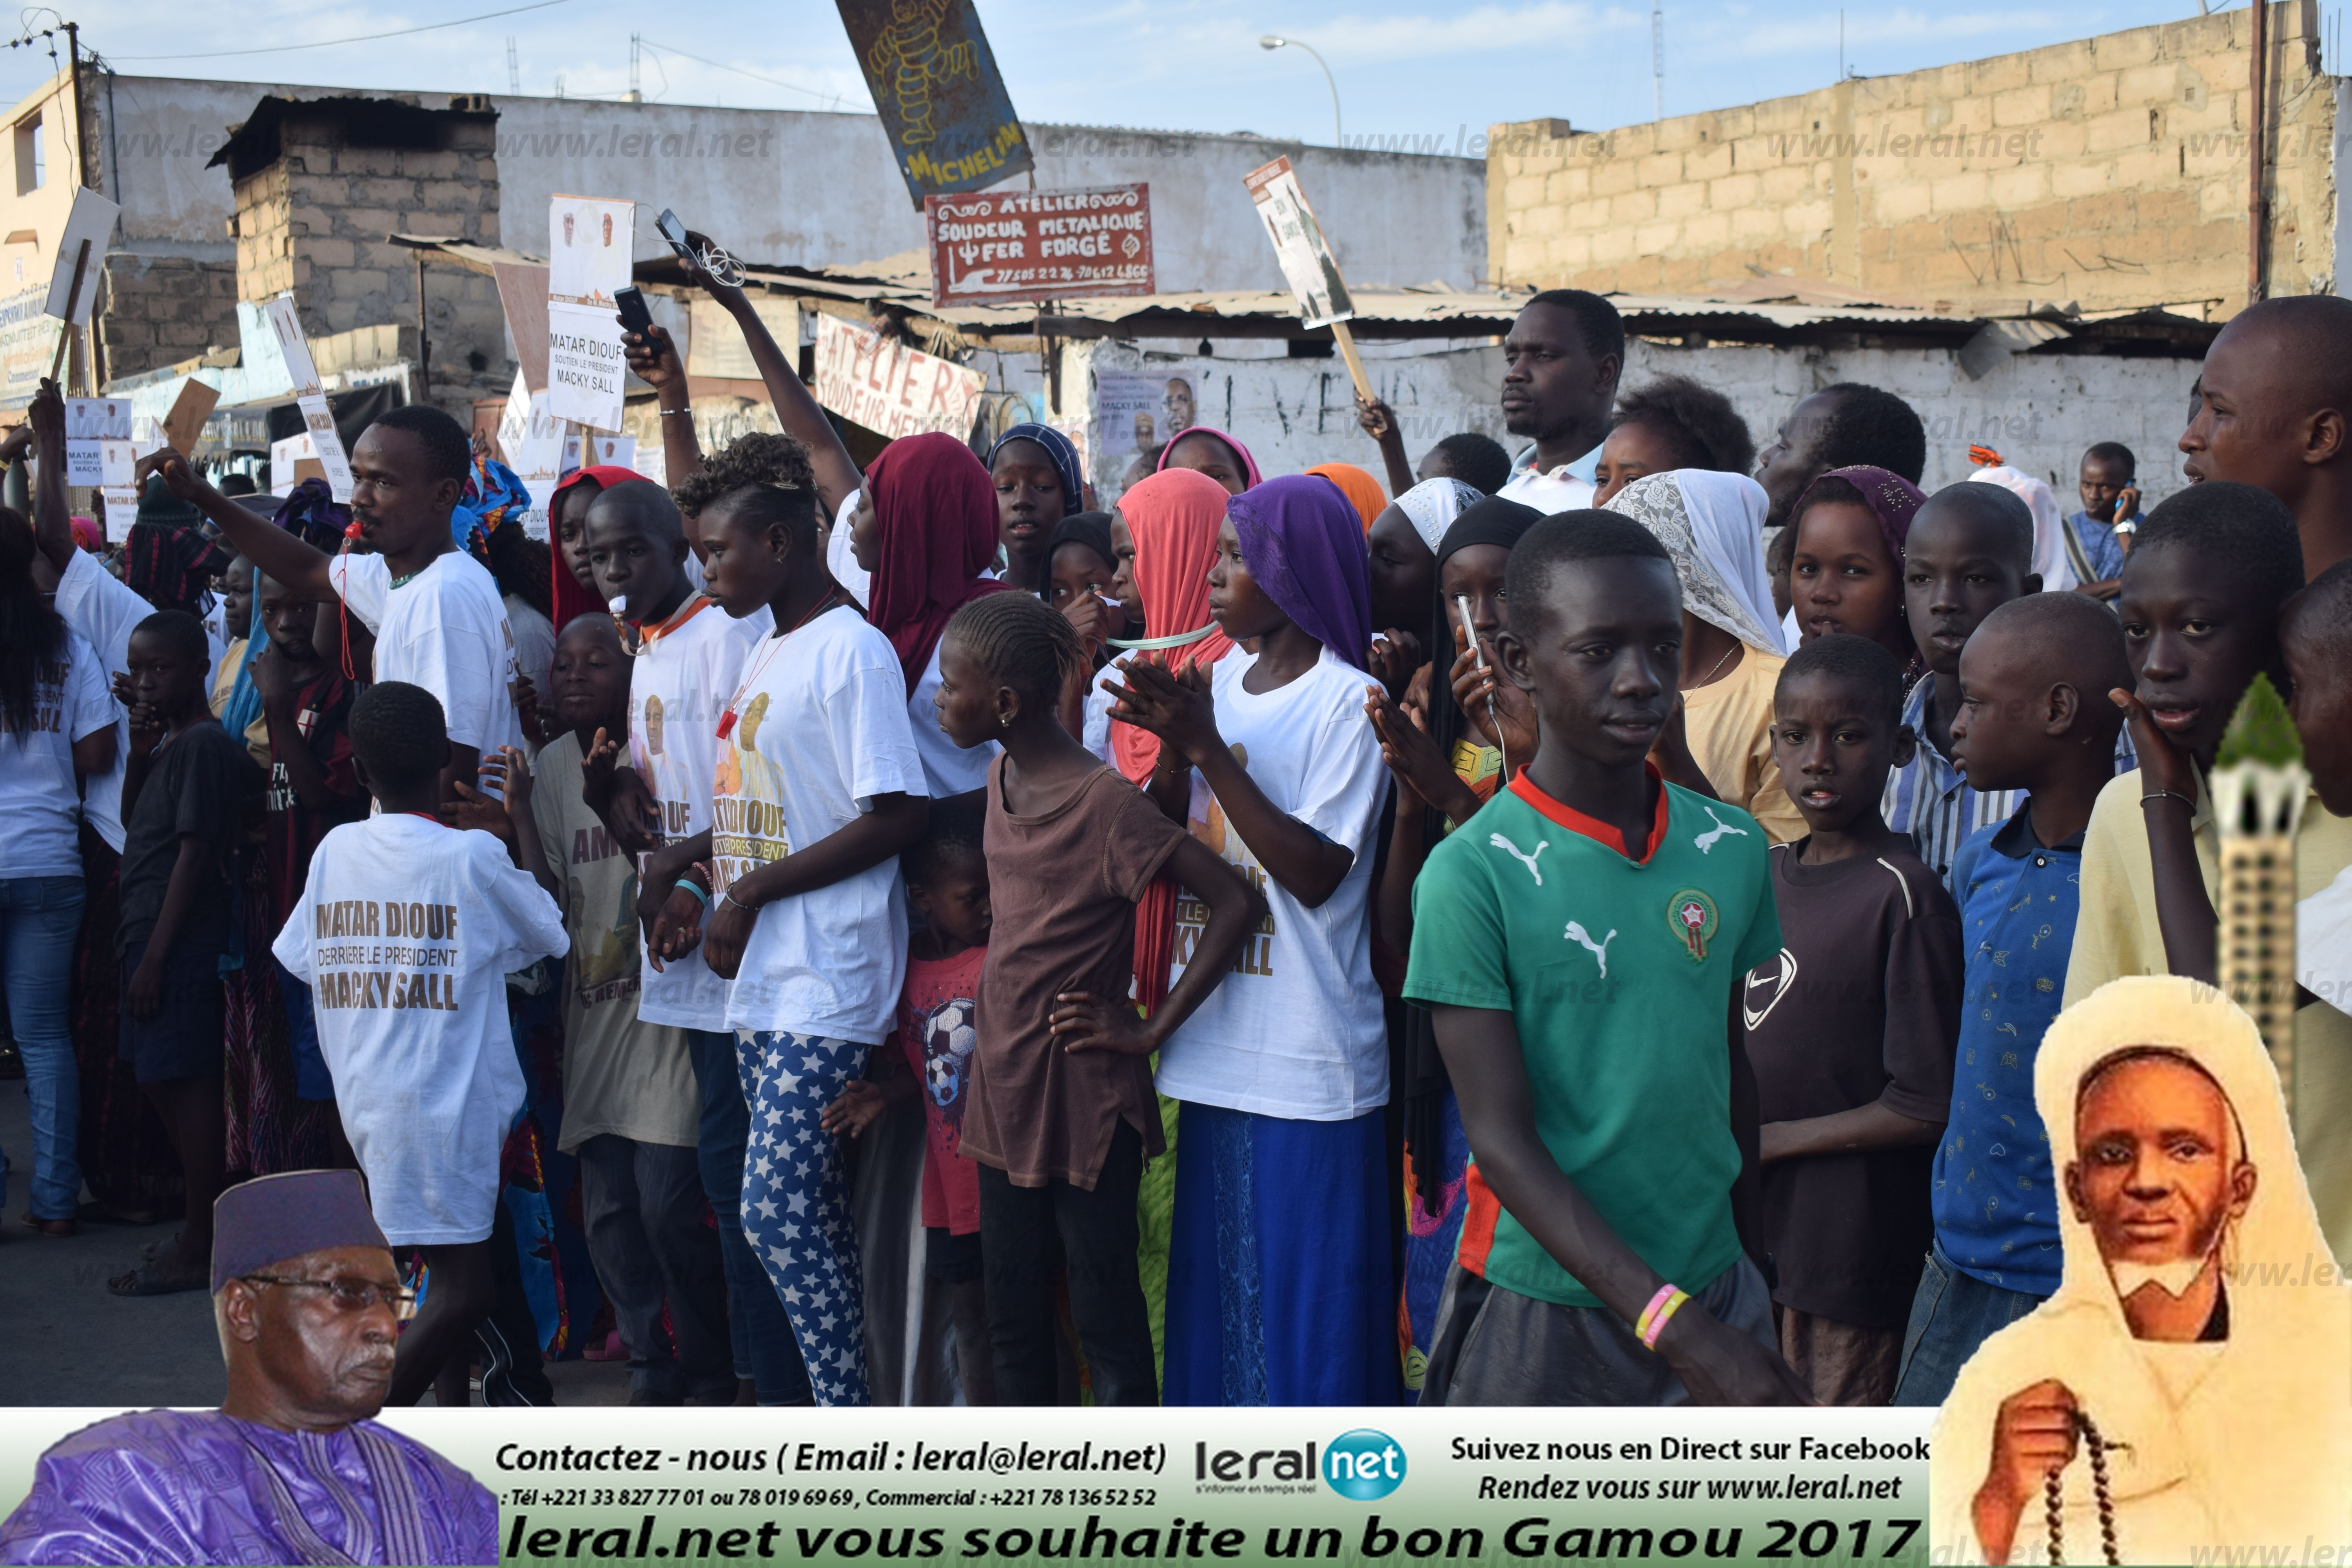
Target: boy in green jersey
[1580, 943]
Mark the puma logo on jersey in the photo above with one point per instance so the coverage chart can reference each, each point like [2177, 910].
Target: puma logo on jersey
[1705, 842]
[1508, 848]
[1583, 939]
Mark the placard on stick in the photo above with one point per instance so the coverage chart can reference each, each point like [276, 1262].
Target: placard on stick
[310, 393]
[183, 426]
[91, 221]
[589, 241]
[1306, 258]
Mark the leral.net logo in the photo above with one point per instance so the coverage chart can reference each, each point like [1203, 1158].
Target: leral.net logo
[1363, 1465]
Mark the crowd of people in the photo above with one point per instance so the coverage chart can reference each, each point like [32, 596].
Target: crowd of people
[1574, 929]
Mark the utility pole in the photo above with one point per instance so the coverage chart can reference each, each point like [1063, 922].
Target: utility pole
[636, 93]
[1657, 60]
[514, 69]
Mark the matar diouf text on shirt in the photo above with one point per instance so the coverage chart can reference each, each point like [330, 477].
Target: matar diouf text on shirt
[349, 975]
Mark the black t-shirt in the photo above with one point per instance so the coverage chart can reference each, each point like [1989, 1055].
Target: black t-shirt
[323, 713]
[1861, 1004]
[198, 784]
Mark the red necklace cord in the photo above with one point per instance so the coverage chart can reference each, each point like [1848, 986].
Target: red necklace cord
[776, 643]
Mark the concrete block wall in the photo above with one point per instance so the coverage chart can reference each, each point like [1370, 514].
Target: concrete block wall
[318, 220]
[156, 310]
[2040, 411]
[2111, 172]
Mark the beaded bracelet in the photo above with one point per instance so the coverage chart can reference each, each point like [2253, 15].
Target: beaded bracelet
[1652, 1321]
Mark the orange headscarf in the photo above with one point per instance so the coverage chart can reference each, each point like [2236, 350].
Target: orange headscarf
[1362, 490]
[1173, 517]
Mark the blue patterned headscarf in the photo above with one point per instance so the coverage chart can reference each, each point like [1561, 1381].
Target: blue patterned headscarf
[1064, 458]
[492, 491]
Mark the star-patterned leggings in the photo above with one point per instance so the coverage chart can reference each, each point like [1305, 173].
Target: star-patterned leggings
[796, 1201]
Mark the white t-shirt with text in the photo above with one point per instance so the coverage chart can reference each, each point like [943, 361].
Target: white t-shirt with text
[1296, 1029]
[405, 932]
[677, 688]
[39, 802]
[819, 730]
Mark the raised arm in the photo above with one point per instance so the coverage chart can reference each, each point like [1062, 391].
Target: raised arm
[1380, 422]
[797, 409]
[654, 360]
[1483, 1056]
[278, 554]
[52, 524]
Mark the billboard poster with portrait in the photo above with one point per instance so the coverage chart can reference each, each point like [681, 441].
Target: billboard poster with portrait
[588, 241]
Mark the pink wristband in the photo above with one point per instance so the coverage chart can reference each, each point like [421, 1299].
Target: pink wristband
[1662, 1307]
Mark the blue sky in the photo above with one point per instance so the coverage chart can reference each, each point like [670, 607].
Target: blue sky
[1404, 68]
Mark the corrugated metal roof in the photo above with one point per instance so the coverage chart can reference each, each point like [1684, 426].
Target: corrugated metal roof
[1763, 310]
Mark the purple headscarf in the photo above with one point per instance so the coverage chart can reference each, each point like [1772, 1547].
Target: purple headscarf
[1892, 498]
[1304, 544]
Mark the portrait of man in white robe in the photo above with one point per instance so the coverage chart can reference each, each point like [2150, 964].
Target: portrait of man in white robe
[2188, 1390]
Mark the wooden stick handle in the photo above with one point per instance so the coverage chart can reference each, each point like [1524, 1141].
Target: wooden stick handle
[1347, 342]
[73, 295]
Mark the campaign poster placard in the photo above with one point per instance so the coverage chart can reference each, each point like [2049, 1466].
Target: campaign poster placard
[1298, 244]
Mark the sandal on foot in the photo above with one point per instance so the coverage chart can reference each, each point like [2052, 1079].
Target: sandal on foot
[157, 1277]
[53, 1227]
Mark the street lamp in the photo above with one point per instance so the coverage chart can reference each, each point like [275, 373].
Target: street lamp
[1273, 41]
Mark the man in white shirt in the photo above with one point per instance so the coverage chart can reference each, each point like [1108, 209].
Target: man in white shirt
[1562, 362]
[437, 613]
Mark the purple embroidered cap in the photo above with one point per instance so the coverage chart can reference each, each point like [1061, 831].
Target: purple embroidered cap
[273, 1218]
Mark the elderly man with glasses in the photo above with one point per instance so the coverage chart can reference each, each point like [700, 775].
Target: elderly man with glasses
[293, 1467]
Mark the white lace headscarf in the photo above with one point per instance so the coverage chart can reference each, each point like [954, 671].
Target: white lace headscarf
[1711, 523]
[1433, 505]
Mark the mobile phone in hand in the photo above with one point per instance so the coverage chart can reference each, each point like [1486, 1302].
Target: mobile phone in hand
[636, 318]
[675, 232]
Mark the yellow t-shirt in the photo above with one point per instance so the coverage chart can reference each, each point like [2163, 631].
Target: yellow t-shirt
[1729, 724]
[2116, 934]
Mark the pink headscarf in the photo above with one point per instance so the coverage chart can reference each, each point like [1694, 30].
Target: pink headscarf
[1249, 464]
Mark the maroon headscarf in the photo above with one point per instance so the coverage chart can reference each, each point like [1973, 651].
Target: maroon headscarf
[935, 513]
[1892, 498]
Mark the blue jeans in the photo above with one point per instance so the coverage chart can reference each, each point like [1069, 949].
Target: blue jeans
[39, 916]
[759, 1333]
[1952, 1313]
[796, 1201]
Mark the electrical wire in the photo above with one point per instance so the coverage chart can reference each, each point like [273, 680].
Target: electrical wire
[361, 38]
[832, 98]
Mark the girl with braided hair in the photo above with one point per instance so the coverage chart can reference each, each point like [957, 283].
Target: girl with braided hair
[1058, 1109]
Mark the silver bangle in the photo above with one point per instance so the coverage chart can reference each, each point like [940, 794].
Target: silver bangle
[2171, 794]
[729, 897]
[677, 412]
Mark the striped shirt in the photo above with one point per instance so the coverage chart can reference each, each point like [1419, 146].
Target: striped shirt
[1929, 799]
